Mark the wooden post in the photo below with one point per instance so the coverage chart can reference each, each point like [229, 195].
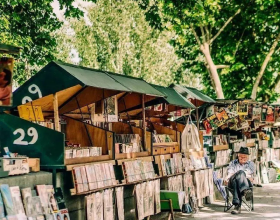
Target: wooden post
[56, 113]
[144, 121]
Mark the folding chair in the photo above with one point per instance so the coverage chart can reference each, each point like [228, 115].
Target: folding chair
[248, 205]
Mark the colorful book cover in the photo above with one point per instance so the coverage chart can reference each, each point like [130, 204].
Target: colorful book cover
[242, 108]
[8, 200]
[267, 113]
[257, 111]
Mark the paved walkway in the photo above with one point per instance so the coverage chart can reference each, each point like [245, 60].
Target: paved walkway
[266, 200]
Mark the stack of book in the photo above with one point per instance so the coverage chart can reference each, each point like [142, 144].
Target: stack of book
[40, 204]
[137, 170]
[222, 157]
[220, 139]
[77, 152]
[94, 176]
[161, 138]
[128, 143]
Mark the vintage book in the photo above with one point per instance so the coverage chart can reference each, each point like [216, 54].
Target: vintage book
[89, 207]
[104, 175]
[51, 199]
[8, 200]
[112, 174]
[42, 193]
[27, 201]
[78, 179]
[84, 179]
[120, 202]
[99, 176]
[108, 174]
[17, 200]
[12, 217]
[91, 177]
[140, 201]
[137, 170]
[37, 205]
[108, 204]
[163, 165]
[99, 205]
[59, 198]
[157, 196]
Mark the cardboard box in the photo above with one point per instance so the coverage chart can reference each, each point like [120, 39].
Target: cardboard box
[34, 164]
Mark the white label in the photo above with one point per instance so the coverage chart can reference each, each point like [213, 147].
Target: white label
[32, 132]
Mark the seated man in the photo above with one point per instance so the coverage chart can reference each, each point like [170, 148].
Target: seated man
[239, 178]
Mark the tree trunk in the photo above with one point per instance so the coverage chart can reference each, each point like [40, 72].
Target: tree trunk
[213, 70]
[263, 67]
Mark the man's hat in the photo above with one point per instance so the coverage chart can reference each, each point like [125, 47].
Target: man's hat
[244, 150]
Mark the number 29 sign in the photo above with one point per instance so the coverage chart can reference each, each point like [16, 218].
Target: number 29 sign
[20, 140]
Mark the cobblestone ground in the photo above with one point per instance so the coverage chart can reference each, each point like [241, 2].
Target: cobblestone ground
[266, 200]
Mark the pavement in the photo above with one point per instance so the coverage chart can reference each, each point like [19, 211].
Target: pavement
[266, 206]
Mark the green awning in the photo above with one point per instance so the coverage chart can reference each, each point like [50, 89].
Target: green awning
[4, 48]
[58, 76]
[189, 92]
[173, 97]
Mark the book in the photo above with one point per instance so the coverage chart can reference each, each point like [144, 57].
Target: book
[84, 178]
[99, 177]
[17, 200]
[53, 207]
[42, 192]
[91, 177]
[8, 200]
[108, 204]
[27, 201]
[120, 203]
[78, 179]
[37, 205]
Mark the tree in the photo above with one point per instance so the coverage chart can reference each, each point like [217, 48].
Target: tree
[240, 35]
[116, 37]
[29, 24]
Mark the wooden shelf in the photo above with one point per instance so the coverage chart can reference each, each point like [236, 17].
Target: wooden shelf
[79, 160]
[220, 147]
[165, 144]
[131, 155]
[148, 158]
[70, 166]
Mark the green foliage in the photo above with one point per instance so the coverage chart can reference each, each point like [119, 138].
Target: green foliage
[116, 37]
[29, 24]
[243, 44]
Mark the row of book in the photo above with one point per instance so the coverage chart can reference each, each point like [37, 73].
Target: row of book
[102, 206]
[270, 154]
[161, 138]
[253, 151]
[47, 124]
[127, 138]
[94, 176]
[77, 152]
[172, 165]
[26, 204]
[137, 170]
[148, 198]
[222, 157]
[263, 144]
[128, 148]
[220, 139]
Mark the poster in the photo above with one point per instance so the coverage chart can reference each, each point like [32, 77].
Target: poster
[267, 113]
[232, 110]
[277, 113]
[222, 117]
[242, 108]
[242, 123]
[6, 75]
[207, 125]
[257, 110]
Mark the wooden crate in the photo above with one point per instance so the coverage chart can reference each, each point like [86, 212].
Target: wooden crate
[15, 165]
[34, 164]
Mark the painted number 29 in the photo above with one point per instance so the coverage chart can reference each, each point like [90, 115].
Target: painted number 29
[32, 132]
[33, 89]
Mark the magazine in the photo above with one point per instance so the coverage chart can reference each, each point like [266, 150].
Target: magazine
[242, 108]
[17, 200]
[267, 113]
[8, 200]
